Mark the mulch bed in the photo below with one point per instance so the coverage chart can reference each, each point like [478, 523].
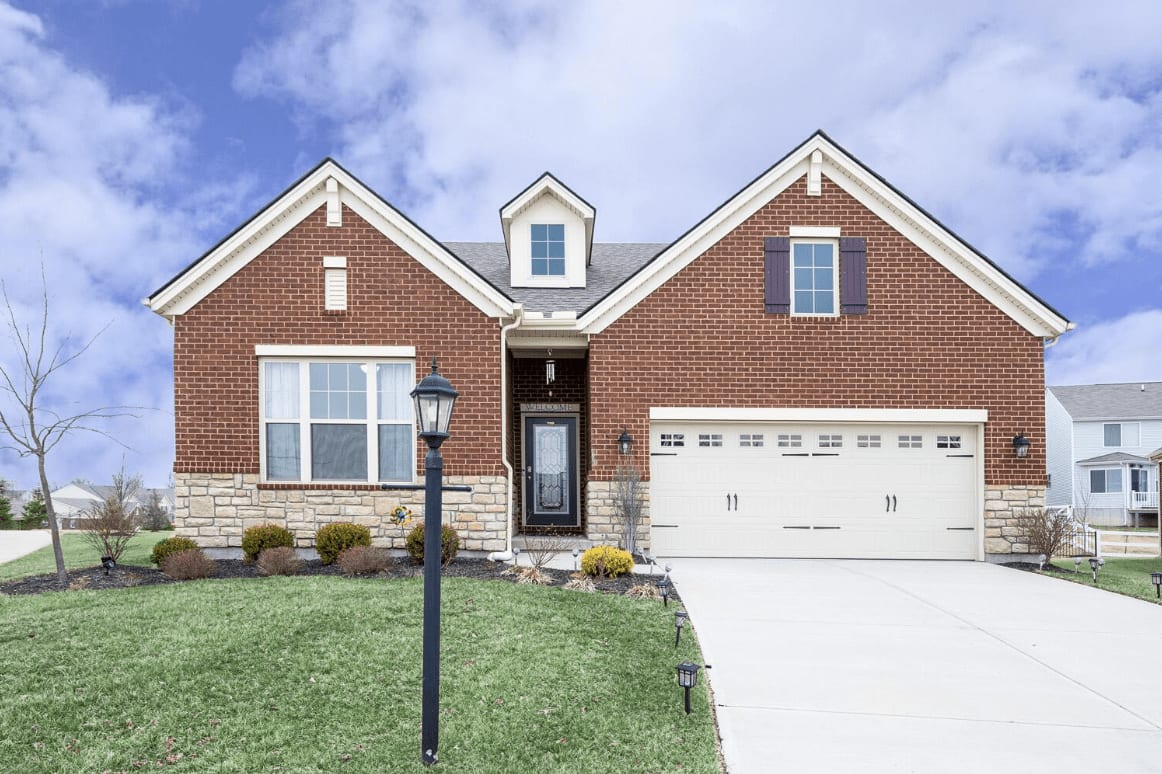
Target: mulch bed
[126, 576]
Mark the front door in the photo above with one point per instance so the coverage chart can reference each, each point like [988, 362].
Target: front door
[550, 462]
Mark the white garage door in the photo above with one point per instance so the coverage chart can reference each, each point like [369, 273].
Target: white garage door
[814, 490]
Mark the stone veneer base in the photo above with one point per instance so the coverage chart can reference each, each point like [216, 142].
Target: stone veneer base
[603, 525]
[1004, 538]
[214, 509]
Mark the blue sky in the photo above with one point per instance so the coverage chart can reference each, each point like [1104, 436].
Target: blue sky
[134, 134]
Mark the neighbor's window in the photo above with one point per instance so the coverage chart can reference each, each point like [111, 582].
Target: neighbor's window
[813, 278]
[1124, 434]
[1102, 481]
[548, 246]
[338, 420]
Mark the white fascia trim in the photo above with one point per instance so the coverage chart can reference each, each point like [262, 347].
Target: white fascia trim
[331, 350]
[683, 252]
[945, 249]
[837, 415]
[815, 232]
[430, 253]
[240, 249]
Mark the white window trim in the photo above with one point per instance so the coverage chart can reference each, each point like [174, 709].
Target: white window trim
[835, 278]
[304, 420]
[299, 352]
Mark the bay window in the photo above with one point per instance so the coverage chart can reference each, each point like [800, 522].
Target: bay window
[337, 420]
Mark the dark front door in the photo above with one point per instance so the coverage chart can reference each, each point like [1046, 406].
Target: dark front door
[550, 460]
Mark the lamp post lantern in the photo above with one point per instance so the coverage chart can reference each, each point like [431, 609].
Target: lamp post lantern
[434, 398]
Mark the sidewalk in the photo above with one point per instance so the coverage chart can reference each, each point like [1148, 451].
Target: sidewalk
[14, 544]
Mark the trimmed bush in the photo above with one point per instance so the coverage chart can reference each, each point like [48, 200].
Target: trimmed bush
[171, 546]
[332, 539]
[257, 539]
[279, 560]
[606, 562]
[449, 544]
[364, 560]
[191, 564]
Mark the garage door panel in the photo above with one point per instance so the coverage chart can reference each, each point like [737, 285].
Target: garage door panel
[815, 490]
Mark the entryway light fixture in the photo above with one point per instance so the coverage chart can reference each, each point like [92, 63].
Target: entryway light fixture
[687, 679]
[1020, 445]
[624, 442]
[1156, 579]
[680, 620]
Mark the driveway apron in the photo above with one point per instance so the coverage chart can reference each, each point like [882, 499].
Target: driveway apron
[14, 545]
[911, 666]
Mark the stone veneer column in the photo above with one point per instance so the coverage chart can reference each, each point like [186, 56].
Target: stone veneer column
[1003, 533]
[603, 524]
[215, 508]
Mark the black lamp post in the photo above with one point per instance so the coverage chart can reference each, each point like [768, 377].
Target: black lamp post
[1156, 579]
[687, 679]
[434, 397]
[680, 617]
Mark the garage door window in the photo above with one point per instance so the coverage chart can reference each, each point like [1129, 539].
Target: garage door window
[673, 439]
[709, 439]
[789, 441]
[830, 441]
[867, 441]
[911, 441]
[746, 440]
[948, 442]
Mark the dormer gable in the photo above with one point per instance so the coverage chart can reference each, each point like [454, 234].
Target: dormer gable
[548, 233]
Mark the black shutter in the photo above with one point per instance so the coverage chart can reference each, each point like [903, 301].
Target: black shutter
[853, 275]
[778, 275]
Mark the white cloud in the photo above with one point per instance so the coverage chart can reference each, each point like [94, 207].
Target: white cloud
[80, 191]
[1108, 352]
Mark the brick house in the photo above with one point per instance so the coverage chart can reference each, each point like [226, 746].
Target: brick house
[817, 368]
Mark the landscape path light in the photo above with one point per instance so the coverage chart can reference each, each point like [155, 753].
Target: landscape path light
[688, 678]
[434, 400]
[1156, 579]
[664, 590]
[576, 554]
[1094, 563]
[680, 617]
[108, 563]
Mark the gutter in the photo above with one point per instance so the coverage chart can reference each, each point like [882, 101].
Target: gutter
[517, 318]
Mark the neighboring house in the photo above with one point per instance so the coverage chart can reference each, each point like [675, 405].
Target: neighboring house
[1100, 438]
[73, 502]
[816, 368]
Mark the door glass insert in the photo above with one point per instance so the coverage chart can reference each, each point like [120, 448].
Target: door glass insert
[550, 468]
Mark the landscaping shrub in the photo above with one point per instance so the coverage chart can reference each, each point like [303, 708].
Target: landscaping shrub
[606, 561]
[279, 560]
[109, 527]
[257, 539]
[189, 565]
[364, 560]
[171, 546]
[449, 544]
[332, 539]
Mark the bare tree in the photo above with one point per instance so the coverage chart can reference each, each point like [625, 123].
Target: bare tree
[627, 500]
[31, 428]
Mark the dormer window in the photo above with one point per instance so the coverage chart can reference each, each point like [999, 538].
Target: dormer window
[548, 249]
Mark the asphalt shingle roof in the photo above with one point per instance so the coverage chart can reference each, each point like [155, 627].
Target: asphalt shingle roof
[1115, 457]
[1136, 400]
[610, 265]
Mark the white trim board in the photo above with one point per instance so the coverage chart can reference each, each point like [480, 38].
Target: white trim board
[845, 415]
[331, 350]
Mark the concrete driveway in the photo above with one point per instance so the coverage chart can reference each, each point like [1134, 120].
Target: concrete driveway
[892, 666]
[14, 545]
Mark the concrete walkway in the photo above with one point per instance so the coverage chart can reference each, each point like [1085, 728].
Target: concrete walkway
[14, 545]
[881, 666]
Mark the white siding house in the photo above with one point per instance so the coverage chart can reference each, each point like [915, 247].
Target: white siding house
[1099, 439]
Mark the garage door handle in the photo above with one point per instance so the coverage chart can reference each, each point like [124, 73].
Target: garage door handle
[736, 502]
[893, 503]
[961, 529]
[887, 503]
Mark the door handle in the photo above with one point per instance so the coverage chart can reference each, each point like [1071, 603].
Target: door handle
[887, 503]
[893, 503]
[728, 501]
[736, 502]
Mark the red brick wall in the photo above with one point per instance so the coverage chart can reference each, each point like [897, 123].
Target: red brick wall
[928, 341]
[278, 299]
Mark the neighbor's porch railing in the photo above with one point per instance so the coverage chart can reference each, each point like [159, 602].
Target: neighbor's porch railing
[1144, 501]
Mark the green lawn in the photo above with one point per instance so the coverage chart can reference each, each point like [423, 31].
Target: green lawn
[322, 674]
[1127, 576]
[78, 553]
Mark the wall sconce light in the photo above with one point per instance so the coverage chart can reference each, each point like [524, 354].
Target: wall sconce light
[1020, 445]
[624, 442]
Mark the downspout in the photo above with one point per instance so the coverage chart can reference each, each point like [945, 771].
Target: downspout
[517, 318]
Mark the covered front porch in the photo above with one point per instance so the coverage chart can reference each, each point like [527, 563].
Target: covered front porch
[1118, 489]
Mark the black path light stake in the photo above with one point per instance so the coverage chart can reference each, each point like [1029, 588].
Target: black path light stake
[680, 621]
[664, 590]
[1156, 579]
[1094, 563]
[434, 398]
[688, 678]
[576, 554]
